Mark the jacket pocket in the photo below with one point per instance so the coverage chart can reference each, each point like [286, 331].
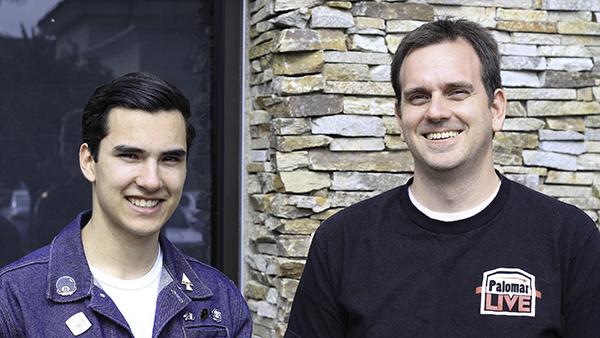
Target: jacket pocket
[205, 331]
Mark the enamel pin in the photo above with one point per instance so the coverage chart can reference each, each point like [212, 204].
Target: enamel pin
[78, 323]
[216, 315]
[187, 283]
[188, 316]
[66, 286]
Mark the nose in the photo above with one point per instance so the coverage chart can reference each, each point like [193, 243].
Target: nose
[148, 176]
[438, 109]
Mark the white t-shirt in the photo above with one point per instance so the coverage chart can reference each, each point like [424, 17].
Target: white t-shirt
[135, 298]
[452, 216]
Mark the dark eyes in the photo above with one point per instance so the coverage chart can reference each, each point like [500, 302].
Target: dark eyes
[128, 156]
[135, 157]
[459, 93]
[418, 99]
[172, 159]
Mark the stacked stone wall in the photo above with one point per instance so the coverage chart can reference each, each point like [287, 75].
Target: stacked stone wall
[323, 134]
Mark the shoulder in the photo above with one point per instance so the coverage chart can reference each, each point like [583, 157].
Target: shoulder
[369, 206]
[23, 286]
[355, 217]
[539, 203]
[34, 264]
[25, 280]
[548, 214]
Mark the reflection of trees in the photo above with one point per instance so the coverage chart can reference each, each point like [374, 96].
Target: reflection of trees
[35, 90]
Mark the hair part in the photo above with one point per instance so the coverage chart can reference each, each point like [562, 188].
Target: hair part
[445, 30]
[137, 90]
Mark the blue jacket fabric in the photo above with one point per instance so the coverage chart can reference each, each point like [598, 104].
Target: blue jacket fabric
[51, 293]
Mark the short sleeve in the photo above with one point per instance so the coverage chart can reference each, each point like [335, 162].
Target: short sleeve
[582, 294]
[316, 311]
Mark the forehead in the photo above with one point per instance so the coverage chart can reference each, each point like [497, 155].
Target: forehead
[448, 61]
[139, 128]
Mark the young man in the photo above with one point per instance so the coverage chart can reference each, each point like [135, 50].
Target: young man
[460, 250]
[110, 273]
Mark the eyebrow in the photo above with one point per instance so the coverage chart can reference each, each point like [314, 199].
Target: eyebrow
[135, 150]
[447, 87]
[459, 84]
[416, 90]
[175, 153]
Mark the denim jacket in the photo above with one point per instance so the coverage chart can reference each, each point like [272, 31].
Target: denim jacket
[51, 293]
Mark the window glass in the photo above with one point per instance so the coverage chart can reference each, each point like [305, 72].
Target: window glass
[54, 54]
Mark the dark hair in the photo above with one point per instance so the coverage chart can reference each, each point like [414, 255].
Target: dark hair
[136, 90]
[450, 30]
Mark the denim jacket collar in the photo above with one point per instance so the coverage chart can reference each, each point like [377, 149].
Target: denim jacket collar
[67, 259]
[177, 265]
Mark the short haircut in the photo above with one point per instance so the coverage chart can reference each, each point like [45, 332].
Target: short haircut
[141, 91]
[444, 30]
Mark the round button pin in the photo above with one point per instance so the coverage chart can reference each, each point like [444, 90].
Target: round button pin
[66, 286]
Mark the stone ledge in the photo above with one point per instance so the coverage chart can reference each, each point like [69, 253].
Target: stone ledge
[302, 105]
[358, 57]
[579, 27]
[521, 15]
[527, 26]
[359, 88]
[298, 85]
[348, 125]
[393, 11]
[554, 108]
[303, 181]
[369, 106]
[550, 160]
[297, 40]
[291, 143]
[361, 161]
[298, 63]
[572, 178]
[353, 180]
[286, 5]
[327, 17]
[357, 144]
[541, 93]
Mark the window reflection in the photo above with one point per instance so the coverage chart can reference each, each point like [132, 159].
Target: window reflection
[47, 74]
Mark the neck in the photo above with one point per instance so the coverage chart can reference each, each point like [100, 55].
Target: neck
[118, 255]
[454, 190]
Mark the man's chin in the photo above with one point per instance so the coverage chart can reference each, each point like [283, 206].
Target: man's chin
[441, 165]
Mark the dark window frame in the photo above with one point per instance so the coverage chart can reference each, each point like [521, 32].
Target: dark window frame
[227, 96]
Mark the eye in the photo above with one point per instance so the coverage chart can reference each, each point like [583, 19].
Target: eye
[128, 156]
[459, 94]
[418, 99]
[171, 159]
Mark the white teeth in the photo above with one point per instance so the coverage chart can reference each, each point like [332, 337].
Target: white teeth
[138, 202]
[442, 135]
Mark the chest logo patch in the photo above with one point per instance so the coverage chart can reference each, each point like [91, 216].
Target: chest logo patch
[508, 292]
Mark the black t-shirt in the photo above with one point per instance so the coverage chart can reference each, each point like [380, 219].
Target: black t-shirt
[527, 265]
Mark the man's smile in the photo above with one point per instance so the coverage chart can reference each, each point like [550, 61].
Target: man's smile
[442, 135]
[143, 203]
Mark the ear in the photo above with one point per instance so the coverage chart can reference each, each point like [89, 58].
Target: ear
[398, 113]
[87, 163]
[498, 109]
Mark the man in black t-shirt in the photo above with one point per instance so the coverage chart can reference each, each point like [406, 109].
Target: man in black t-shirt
[459, 251]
